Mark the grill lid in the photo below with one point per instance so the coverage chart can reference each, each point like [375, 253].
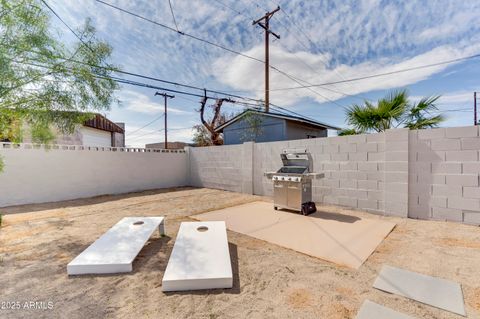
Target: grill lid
[296, 159]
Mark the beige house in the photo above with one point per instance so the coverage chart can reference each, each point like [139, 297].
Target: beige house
[98, 131]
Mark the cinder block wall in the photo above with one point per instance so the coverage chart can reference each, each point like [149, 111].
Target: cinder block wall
[444, 174]
[353, 167]
[226, 167]
[426, 174]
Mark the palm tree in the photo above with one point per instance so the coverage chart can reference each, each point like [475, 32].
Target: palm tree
[419, 116]
[393, 111]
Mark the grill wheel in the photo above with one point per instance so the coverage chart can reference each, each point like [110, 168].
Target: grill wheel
[308, 208]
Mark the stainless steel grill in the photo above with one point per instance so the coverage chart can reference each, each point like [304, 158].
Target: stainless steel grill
[292, 183]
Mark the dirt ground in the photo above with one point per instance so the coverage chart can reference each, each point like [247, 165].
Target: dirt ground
[37, 242]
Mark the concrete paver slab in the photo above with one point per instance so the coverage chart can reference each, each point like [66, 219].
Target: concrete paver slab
[342, 239]
[371, 310]
[437, 292]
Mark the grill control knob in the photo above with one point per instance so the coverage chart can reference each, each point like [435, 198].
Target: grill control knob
[289, 178]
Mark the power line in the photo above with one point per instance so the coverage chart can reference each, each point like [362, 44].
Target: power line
[258, 60]
[292, 22]
[146, 85]
[383, 74]
[211, 43]
[291, 77]
[155, 79]
[141, 84]
[150, 78]
[239, 13]
[65, 24]
[148, 124]
[173, 15]
[180, 32]
[146, 134]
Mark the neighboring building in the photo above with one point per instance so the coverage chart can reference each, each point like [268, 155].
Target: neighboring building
[171, 145]
[98, 131]
[258, 126]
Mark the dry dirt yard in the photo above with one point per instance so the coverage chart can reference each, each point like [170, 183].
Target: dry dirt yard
[37, 242]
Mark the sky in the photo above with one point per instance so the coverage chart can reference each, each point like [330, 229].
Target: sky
[320, 41]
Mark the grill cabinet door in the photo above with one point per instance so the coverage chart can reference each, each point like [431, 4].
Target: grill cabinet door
[294, 195]
[280, 193]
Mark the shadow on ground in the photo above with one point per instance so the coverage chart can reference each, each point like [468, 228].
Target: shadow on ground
[87, 201]
[328, 216]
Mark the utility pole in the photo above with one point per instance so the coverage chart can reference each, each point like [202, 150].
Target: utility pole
[264, 22]
[475, 108]
[165, 96]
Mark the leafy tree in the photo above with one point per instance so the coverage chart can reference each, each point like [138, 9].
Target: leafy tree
[43, 83]
[254, 126]
[393, 111]
[347, 131]
[201, 136]
[419, 115]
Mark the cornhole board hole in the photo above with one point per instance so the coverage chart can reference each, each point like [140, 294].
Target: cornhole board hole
[115, 250]
[200, 258]
[371, 310]
[433, 291]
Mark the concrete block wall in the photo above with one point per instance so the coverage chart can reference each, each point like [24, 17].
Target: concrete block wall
[227, 167]
[444, 174]
[354, 168]
[425, 174]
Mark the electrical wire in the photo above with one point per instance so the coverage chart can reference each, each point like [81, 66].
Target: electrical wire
[173, 15]
[65, 24]
[135, 83]
[295, 79]
[216, 45]
[474, 56]
[148, 124]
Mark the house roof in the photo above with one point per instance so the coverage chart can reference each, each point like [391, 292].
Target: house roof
[100, 122]
[287, 117]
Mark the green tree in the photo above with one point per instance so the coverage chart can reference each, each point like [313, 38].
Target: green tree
[253, 128]
[201, 136]
[347, 131]
[45, 83]
[393, 111]
[419, 115]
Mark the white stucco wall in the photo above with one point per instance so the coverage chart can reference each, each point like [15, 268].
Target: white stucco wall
[38, 175]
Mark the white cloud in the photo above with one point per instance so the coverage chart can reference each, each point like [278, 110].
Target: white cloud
[457, 98]
[352, 37]
[147, 136]
[247, 75]
[138, 102]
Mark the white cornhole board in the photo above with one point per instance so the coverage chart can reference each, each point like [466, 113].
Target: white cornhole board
[200, 259]
[115, 250]
[371, 310]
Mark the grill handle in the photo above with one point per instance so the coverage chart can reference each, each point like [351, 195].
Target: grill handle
[269, 174]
